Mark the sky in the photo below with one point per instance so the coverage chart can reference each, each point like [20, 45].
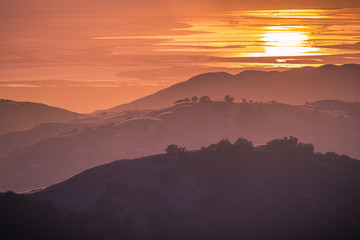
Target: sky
[89, 55]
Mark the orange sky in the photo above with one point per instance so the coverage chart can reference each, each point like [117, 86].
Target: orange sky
[89, 55]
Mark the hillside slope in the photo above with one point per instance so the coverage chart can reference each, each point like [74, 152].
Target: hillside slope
[281, 190]
[295, 86]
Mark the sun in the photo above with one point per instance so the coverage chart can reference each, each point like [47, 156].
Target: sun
[285, 41]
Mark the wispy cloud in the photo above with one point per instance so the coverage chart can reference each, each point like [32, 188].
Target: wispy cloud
[17, 85]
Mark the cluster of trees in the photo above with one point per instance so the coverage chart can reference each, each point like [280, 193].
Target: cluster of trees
[207, 99]
[290, 145]
[225, 145]
[284, 145]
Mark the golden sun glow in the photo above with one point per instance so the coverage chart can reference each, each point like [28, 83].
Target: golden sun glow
[247, 34]
[286, 41]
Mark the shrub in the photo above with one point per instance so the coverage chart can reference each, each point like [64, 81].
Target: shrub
[194, 99]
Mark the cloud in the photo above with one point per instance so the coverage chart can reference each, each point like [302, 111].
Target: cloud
[17, 85]
[355, 46]
[70, 7]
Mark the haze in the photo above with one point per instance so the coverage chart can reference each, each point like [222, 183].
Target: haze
[90, 55]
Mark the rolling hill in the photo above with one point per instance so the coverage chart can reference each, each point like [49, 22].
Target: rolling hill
[192, 125]
[295, 86]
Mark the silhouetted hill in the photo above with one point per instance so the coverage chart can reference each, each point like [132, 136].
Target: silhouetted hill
[281, 190]
[135, 134]
[15, 116]
[294, 86]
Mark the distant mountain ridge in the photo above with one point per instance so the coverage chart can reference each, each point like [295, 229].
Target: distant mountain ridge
[295, 86]
[15, 116]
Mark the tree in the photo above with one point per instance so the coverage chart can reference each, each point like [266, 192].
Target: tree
[194, 99]
[229, 99]
[223, 145]
[205, 99]
[174, 149]
[243, 144]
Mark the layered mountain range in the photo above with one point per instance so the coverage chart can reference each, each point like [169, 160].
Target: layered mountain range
[42, 145]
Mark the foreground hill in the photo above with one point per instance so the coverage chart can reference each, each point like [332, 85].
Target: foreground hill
[192, 125]
[15, 116]
[294, 86]
[282, 190]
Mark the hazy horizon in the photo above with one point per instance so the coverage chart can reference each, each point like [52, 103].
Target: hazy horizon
[105, 53]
